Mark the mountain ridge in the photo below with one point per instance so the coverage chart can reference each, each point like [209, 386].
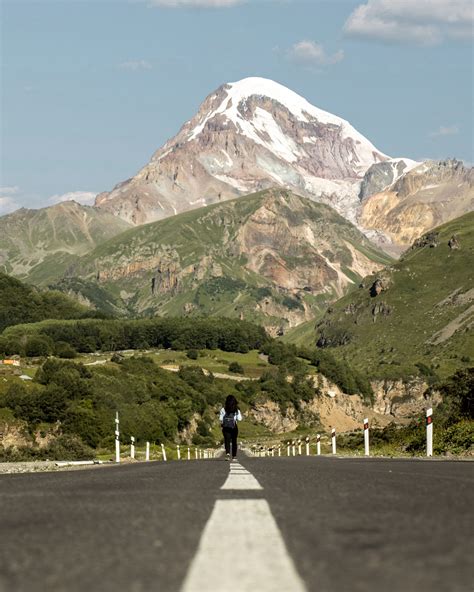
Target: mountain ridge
[272, 257]
[34, 244]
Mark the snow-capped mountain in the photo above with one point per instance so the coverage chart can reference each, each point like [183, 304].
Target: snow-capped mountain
[248, 136]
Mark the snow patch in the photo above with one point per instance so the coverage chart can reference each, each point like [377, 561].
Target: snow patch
[238, 93]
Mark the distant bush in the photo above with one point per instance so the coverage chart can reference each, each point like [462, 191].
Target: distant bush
[37, 346]
[236, 368]
[64, 350]
[20, 303]
[192, 354]
[64, 447]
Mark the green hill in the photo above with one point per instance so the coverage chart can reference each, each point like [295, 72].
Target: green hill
[414, 317]
[38, 245]
[273, 258]
[20, 303]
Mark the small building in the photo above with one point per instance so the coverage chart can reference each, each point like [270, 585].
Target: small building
[11, 362]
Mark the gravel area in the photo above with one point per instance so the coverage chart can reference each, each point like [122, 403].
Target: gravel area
[42, 467]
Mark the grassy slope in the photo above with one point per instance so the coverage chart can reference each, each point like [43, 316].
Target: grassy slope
[20, 303]
[215, 361]
[41, 244]
[302, 335]
[209, 232]
[424, 278]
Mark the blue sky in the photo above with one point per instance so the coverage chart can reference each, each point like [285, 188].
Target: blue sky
[89, 90]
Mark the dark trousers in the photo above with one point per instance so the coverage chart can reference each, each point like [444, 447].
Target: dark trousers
[230, 436]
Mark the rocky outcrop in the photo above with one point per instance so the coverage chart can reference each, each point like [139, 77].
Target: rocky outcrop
[381, 284]
[453, 243]
[403, 400]
[268, 413]
[430, 240]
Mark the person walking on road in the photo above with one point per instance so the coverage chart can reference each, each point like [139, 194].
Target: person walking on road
[229, 416]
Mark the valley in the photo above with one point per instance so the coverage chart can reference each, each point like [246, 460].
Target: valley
[267, 250]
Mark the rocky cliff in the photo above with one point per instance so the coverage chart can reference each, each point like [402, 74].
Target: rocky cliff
[395, 401]
[416, 201]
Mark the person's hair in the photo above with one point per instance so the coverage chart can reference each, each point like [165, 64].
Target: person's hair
[231, 405]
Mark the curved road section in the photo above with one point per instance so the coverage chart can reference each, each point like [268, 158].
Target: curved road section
[266, 525]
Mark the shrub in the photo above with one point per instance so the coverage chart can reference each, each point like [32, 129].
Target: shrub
[192, 354]
[37, 346]
[64, 350]
[236, 368]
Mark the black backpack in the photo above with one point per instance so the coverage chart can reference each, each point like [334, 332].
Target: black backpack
[229, 420]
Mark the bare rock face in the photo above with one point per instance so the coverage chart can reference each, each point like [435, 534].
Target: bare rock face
[403, 400]
[268, 413]
[248, 136]
[381, 284]
[422, 198]
[453, 243]
[384, 174]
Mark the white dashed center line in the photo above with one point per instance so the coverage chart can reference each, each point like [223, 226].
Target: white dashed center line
[241, 548]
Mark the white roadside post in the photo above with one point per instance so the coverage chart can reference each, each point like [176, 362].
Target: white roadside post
[293, 444]
[366, 437]
[117, 438]
[288, 449]
[318, 445]
[299, 446]
[132, 446]
[333, 440]
[163, 452]
[307, 445]
[279, 450]
[147, 453]
[179, 453]
[196, 454]
[429, 432]
[189, 453]
[273, 451]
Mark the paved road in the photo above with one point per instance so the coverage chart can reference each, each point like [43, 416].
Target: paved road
[282, 525]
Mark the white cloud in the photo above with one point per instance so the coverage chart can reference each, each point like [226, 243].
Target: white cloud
[85, 198]
[313, 54]
[445, 130]
[423, 22]
[7, 205]
[9, 190]
[196, 3]
[135, 65]
[7, 199]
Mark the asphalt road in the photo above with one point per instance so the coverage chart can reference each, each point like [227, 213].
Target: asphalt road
[345, 525]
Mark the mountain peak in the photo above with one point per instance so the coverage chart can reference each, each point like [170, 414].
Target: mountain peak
[295, 103]
[232, 100]
[249, 135]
